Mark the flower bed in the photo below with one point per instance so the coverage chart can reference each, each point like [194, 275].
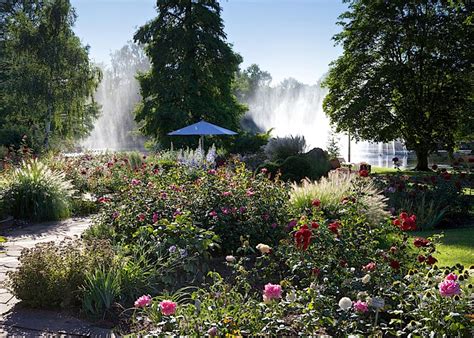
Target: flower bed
[224, 251]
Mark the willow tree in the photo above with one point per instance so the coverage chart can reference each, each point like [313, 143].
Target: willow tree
[192, 68]
[49, 80]
[405, 72]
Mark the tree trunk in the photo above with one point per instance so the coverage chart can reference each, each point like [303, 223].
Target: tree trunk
[47, 129]
[422, 160]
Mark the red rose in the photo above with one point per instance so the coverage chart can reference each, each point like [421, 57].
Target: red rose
[421, 242]
[421, 258]
[430, 260]
[394, 264]
[363, 173]
[316, 203]
[334, 227]
[314, 225]
[303, 237]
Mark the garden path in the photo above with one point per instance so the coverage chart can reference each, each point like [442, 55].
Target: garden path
[15, 320]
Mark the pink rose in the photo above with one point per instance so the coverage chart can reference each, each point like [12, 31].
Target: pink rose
[143, 301]
[226, 193]
[271, 291]
[135, 181]
[360, 306]
[449, 288]
[155, 217]
[168, 307]
[370, 266]
[212, 171]
[451, 276]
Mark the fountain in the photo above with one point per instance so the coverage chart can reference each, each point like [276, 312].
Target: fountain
[118, 93]
[292, 108]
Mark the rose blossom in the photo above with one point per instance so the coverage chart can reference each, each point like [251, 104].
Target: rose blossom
[370, 266]
[230, 259]
[143, 301]
[345, 303]
[263, 248]
[366, 279]
[361, 306]
[135, 181]
[421, 242]
[168, 307]
[449, 288]
[271, 291]
[451, 276]
[212, 332]
[316, 203]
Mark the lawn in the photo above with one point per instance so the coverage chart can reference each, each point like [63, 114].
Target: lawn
[457, 246]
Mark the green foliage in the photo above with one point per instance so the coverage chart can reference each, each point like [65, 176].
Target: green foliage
[333, 148]
[281, 148]
[295, 168]
[49, 81]
[100, 290]
[192, 68]
[35, 192]
[248, 143]
[406, 72]
[50, 275]
[248, 81]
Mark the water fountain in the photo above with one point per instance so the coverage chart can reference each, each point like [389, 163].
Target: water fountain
[293, 108]
[118, 93]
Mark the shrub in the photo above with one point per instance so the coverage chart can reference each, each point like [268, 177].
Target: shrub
[295, 168]
[35, 192]
[335, 191]
[229, 201]
[248, 143]
[281, 148]
[51, 275]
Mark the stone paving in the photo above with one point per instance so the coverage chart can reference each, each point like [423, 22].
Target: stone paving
[14, 320]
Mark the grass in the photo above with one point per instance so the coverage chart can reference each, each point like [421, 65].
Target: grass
[457, 246]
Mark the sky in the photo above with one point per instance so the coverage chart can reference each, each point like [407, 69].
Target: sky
[288, 38]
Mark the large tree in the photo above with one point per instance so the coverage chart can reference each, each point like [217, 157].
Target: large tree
[192, 68]
[48, 79]
[405, 72]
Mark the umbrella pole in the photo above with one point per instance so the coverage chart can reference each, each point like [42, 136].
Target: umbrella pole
[201, 142]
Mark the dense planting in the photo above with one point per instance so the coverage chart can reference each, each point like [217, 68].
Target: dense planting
[185, 248]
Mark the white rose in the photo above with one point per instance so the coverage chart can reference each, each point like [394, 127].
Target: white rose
[291, 296]
[263, 248]
[366, 279]
[345, 303]
[230, 259]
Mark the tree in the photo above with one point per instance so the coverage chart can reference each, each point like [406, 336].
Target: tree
[405, 72]
[49, 80]
[248, 81]
[192, 68]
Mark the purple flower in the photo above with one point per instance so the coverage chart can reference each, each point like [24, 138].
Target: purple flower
[291, 224]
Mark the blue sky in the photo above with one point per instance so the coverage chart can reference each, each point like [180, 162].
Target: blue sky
[288, 38]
